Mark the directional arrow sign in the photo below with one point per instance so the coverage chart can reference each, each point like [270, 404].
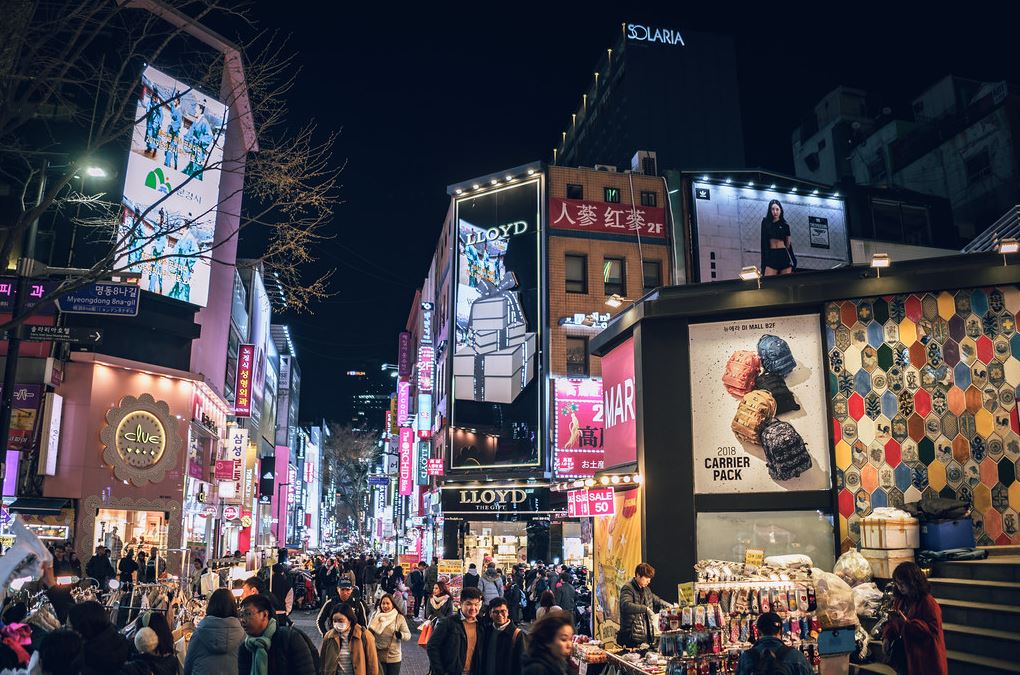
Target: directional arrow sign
[73, 335]
[103, 297]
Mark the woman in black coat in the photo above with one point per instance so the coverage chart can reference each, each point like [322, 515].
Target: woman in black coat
[105, 650]
[550, 644]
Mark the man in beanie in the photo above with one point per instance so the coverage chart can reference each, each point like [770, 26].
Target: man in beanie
[271, 649]
[345, 591]
[769, 653]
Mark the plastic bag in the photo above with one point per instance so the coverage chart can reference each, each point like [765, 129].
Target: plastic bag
[792, 560]
[867, 600]
[853, 568]
[835, 600]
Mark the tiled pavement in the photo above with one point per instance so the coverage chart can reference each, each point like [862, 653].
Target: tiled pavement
[415, 661]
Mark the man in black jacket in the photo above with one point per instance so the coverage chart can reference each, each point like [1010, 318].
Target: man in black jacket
[288, 652]
[416, 582]
[637, 606]
[99, 567]
[346, 599]
[455, 647]
[565, 595]
[504, 642]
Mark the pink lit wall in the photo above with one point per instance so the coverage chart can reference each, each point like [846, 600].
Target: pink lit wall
[280, 502]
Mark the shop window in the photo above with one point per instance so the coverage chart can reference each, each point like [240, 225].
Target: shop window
[614, 276]
[652, 273]
[611, 195]
[577, 356]
[726, 536]
[648, 198]
[577, 273]
[575, 191]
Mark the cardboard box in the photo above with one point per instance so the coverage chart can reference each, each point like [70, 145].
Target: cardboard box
[890, 533]
[884, 561]
[464, 362]
[505, 362]
[503, 389]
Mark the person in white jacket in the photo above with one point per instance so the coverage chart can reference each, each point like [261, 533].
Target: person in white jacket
[388, 627]
[490, 584]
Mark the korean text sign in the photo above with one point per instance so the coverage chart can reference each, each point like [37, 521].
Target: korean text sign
[242, 388]
[621, 219]
[579, 427]
[593, 502]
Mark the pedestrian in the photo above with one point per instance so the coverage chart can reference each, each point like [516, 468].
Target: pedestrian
[61, 653]
[769, 654]
[913, 634]
[128, 568]
[154, 567]
[345, 598]
[547, 604]
[389, 583]
[154, 645]
[504, 643]
[440, 604]
[271, 649]
[515, 599]
[637, 607]
[388, 626]
[217, 638]
[105, 650]
[490, 584]
[321, 572]
[332, 580]
[416, 582]
[565, 594]
[471, 577]
[98, 567]
[74, 564]
[431, 575]
[255, 586]
[456, 643]
[550, 644]
[283, 590]
[347, 648]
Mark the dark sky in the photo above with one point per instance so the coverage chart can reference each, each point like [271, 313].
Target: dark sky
[429, 98]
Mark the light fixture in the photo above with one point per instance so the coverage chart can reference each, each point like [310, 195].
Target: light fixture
[604, 480]
[1007, 246]
[793, 189]
[475, 186]
[626, 479]
[460, 191]
[614, 300]
[814, 192]
[615, 480]
[578, 483]
[835, 194]
[95, 172]
[637, 478]
[509, 178]
[705, 177]
[589, 482]
[750, 183]
[494, 181]
[751, 273]
[879, 261]
[728, 181]
[531, 172]
[772, 187]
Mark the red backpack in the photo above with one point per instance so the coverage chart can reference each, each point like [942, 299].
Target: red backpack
[741, 371]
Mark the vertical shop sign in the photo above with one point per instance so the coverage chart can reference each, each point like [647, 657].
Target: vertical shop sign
[50, 441]
[435, 466]
[619, 395]
[237, 445]
[406, 461]
[424, 418]
[403, 401]
[593, 502]
[579, 427]
[404, 355]
[242, 387]
[249, 479]
[24, 414]
[393, 415]
[421, 474]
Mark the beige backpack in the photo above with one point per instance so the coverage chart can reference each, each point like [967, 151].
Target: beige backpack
[756, 409]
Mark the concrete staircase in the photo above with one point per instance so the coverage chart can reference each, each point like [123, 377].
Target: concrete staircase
[980, 601]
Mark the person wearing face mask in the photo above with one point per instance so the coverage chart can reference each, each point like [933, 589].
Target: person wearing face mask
[347, 648]
[388, 626]
[913, 638]
[346, 598]
[456, 644]
[550, 644]
[637, 607]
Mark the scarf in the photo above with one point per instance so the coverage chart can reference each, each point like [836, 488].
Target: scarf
[259, 648]
[438, 602]
[382, 620]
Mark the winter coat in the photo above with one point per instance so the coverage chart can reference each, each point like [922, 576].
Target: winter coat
[364, 656]
[491, 586]
[106, 653]
[150, 664]
[324, 619]
[431, 577]
[289, 654]
[213, 647]
[506, 658]
[416, 581]
[100, 568]
[386, 643]
[471, 580]
[795, 662]
[513, 599]
[542, 664]
[566, 597]
[447, 647]
[923, 641]
[635, 623]
[444, 610]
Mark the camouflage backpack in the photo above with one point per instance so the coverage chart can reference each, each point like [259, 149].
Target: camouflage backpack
[753, 413]
[786, 455]
[776, 385]
[776, 356]
[741, 369]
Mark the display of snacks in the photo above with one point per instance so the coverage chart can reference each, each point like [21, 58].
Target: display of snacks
[589, 653]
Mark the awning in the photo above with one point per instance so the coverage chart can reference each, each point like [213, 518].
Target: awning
[39, 506]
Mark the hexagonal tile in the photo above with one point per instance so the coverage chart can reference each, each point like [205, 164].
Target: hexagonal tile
[982, 498]
[995, 447]
[915, 426]
[884, 356]
[848, 313]
[993, 524]
[954, 474]
[977, 448]
[985, 422]
[1006, 471]
[912, 494]
[895, 497]
[839, 407]
[971, 474]
[947, 493]
[849, 430]
[852, 478]
[929, 306]
[934, 355]
[918, 355]
[893, 453]
[1007, 396]
[962, 299]
[835, 361]
[943, 449]
[1011, 369]
[855, 406]
[862, 382]
[844, 533]
[864, 314]
[961, 376]
[973, 398]
[939, 404]
[990, 398]
[908, 451]
[1000, 497]
[896, 379]
[951, 352]
[853, 524]
[989, 473]
[946, 305]
[842, 455]
[907, 331]
[1014, 496]
[912, 308]
[1014, 346]
[950, 426]
[937, 475]
[866, 430]
[883, 430]
[1008, 323]
[1000, 348]
[920, 479]
[957, 328]
[978, 375]
[903, 476]
[890, 404]
[862, 502]
[840, 483]
[858, 336]
[846, 502]
[974, 327]
[851, 360]
[899, 428]
[965, 493]
[869, 477]
[880, 310]
[932, 427]
[832, 381]
[968, 426]
[1011, 446]
[922, 402]
[842, 338]
[1009, 522]
[961, 449]
[996, 300]
[978, 301]
[990, 325]
[886, 478]
[926, 451]
[968, 350]
[984, 349]
[876, 334]
[912, 378]
[905, 403]
[1011, 297]
[832, 314]
[858, 454]
[876, 454]
[892, 331]
[879, 498]
[869, 358]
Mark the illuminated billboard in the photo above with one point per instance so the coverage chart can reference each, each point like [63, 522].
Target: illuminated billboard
[579, 427]
[496, 407]
[171, 187]
[734, 224]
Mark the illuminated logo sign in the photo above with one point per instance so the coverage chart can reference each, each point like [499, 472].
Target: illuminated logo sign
[424, 416]
[498, 232]
[426, 368]
[141, 439]
[421, 474]
[595, 321]
[666, 36]
[496, 496]
[404, 355]
[242, 388]
[403, 401]
[435, 466]
[406, 461]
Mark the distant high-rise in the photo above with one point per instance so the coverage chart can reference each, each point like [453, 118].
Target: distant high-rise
[669, 91]
[370, 389]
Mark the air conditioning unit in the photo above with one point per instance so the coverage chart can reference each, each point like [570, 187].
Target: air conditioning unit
[645, 162]
[605, 167]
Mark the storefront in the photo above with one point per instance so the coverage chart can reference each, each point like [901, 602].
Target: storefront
[876, 391]
[52, 520]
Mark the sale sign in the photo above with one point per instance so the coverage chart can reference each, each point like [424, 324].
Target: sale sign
[622, 219]
[406, 461]
[594, 502]
[579, 427]
[242, 385]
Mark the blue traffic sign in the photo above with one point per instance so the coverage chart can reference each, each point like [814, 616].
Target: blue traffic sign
[103, 297]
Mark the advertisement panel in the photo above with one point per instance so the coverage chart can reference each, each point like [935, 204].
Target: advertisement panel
[734, 225]
[496, 411]
[25, 403]
[620, 219]
[424, 417]
[404, 354]
[421, 465]
[435, 466]
[426, 367]
[758, 409]
[496, 498]
[406, 449]
[579, 427]
[593, 502]
[171, 187]
[261, 316]
[403, 401]
[617, 552]
[237, 446]
[619, 405]
[243, 381]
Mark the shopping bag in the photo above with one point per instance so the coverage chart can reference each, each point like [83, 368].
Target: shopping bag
[426, 633]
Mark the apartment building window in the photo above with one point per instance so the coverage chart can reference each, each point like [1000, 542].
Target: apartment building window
[614, 276]
[575, 191]
[978, 165]
[652, 272]
[577, 273]
[577, 356]
[611, 195]
[648, 198]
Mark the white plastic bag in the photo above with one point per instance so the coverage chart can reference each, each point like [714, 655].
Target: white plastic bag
[835, 600]
[867, 599]
[792, 560]
[853, 568]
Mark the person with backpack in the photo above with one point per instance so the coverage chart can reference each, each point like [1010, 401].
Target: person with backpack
[516, 599]
[504, 642]
[272, 649]
[769, 655]
[347, 647]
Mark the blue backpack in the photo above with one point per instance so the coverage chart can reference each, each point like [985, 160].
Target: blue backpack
[775, 355]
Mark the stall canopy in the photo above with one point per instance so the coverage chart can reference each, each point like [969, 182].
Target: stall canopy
[39, 506]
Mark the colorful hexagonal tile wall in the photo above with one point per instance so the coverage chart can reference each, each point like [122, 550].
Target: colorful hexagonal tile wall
[924, 390]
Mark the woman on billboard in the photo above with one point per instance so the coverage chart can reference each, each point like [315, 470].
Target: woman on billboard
[776, 248]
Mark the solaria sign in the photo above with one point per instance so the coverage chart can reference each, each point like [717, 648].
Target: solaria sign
[666, 36]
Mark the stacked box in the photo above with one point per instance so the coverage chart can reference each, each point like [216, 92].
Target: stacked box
[889, 533]
[495, 376]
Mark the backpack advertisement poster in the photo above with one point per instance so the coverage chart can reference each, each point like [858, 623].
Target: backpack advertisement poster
[759, 407]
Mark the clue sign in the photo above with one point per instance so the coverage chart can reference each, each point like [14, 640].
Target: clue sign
[593, 502]
[620, 219]
[242, 388]
[579, 427]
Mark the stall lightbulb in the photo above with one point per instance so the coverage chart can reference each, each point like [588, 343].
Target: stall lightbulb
[728, 181]
[615, 480]
[531, 172]
[751, 273]
[590, 482]
[493, 181]
[460, 191]
[1007, 246]
[578, 483]
[626, 479]
[604, 480]
[637, 478]
[475, 186]
[95, 172]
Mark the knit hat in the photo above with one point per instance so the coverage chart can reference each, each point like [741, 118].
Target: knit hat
[146, 641]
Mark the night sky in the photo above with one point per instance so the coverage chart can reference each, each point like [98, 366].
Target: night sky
[430, 98]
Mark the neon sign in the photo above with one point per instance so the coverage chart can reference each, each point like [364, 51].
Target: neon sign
[666, 36]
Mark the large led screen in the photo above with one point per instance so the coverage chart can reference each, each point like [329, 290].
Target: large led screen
[733, 223]
[495, 416]
[171, 190]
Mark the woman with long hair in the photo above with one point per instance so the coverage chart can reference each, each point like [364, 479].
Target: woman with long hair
[440, 604]
[546, 604]
[776, 248]
[388, 626]
[550, 644]
[347, 647]
[104, 650]
[913, 635]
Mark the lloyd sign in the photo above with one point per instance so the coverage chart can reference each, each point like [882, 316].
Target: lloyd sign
[594, 502]
[498, 232]
[496, 498]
